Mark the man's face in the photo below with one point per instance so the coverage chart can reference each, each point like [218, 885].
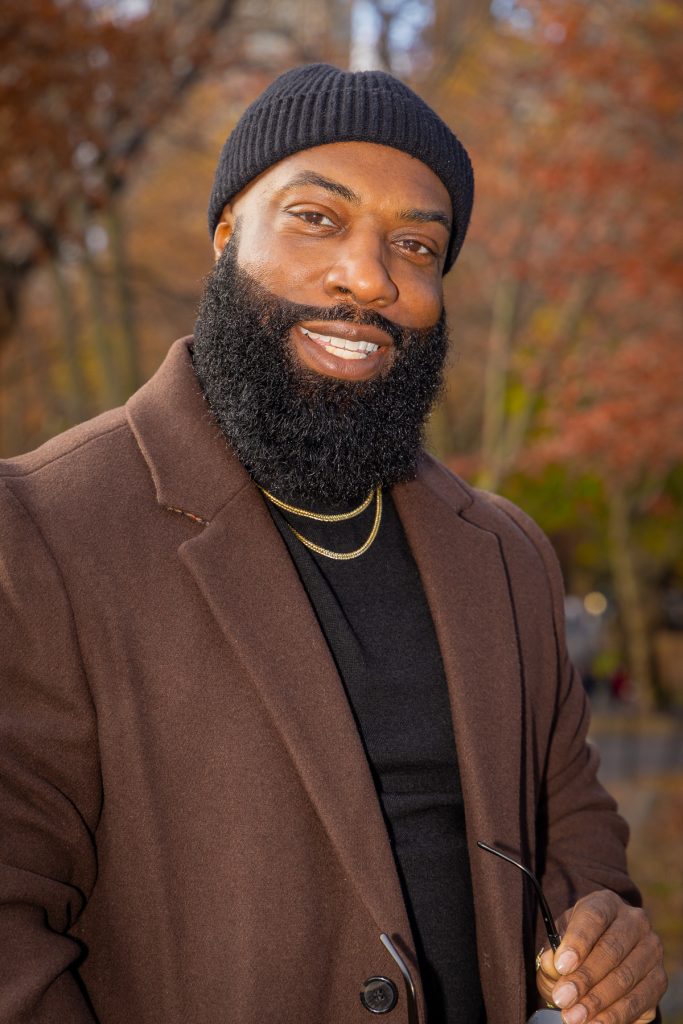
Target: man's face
[351, 223]
[337, 246]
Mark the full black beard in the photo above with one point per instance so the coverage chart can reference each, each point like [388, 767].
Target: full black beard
[305, 437]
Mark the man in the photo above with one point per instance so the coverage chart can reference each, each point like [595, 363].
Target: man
[270, 672]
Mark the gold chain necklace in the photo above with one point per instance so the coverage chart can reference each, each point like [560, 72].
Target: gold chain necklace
[340, 556]
[320, 517]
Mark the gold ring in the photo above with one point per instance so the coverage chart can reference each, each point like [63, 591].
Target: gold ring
[538, 959]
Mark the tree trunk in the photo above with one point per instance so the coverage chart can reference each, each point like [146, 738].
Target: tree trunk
[28, 395]
[495, 382]
[77, 395]
[112, 391]
[547, 361]
[12, 409]
[630, 601]
[124, 292]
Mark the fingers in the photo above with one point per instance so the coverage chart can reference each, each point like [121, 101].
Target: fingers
[591, 917]
[631, 988]
[608, 967]
[614, 965]
[546, 975]
[635, 1007]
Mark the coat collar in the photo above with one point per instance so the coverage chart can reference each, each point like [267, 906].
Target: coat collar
[466, 584]
[187, 455]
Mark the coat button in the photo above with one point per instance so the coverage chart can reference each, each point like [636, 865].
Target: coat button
[378, 995]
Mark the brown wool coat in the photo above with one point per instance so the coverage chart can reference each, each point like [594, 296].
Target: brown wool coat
[189, 832]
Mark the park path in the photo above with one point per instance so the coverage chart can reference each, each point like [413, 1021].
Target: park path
[633, 748]
[642, 765]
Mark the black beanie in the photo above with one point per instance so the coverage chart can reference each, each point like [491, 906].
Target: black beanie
[318, 104]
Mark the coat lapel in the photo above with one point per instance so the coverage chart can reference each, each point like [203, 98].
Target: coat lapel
[245, 572]
[246, 575]
[465, 581]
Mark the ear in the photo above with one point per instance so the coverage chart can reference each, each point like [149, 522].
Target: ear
[224, 230]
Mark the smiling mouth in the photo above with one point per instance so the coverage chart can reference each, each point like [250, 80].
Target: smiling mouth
[344, 348]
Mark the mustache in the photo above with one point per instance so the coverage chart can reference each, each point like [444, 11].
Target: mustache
[350, 313]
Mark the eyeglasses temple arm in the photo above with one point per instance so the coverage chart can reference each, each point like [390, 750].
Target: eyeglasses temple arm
[553, 937]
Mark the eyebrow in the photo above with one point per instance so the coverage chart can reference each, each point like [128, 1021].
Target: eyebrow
[311, 178]
[426, 217]
[413, 215]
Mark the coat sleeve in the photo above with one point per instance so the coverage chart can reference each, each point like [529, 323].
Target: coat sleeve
[50, 791]
[582, 836]
[581, 839]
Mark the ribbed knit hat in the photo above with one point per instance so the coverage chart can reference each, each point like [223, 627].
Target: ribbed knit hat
[318, 104]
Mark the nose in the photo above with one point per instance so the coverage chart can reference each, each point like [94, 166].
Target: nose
[360, 273]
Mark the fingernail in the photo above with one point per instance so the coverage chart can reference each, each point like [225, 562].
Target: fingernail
[576, 1015]
[565, 994]
[567, 962]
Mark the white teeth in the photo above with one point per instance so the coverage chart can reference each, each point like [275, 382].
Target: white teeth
[344, 354]
[343, 347]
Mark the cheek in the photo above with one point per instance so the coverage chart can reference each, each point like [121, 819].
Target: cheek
[269, 258]
[287, 281]
[421, 303]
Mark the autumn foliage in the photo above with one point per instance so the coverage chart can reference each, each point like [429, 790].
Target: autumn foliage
[574, 129]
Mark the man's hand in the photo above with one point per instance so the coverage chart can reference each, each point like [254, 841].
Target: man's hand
[608, 968]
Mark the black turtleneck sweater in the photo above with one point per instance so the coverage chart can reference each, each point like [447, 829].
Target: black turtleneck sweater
[374, 615]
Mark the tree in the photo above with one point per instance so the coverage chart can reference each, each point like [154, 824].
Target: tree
[84, 87]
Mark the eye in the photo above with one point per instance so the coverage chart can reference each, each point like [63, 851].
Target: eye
[314, 217]
[416, 247]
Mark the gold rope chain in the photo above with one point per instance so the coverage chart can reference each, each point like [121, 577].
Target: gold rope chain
[321, 517]
[340, 556]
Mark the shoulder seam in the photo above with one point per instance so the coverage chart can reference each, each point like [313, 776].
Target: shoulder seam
[63, 455]
[523, 522]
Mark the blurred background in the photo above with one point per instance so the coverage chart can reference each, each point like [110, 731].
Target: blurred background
[565, 387]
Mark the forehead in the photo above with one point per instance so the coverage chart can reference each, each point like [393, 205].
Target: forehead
[380, 176]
